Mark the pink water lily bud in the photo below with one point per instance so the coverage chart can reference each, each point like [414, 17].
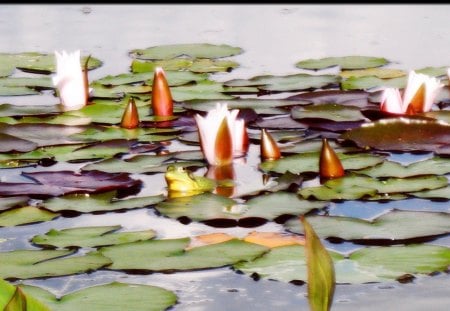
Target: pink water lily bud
[70, 80]
[419, 95]
[222, 136]
[162, 103]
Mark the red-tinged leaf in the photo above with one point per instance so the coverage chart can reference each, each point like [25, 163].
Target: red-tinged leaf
[56, 183]
[321, 275]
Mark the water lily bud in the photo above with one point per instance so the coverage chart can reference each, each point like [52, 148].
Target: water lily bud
[162, 103]
[330, 165]
[70, 80]
[269, 148]
[130, 117]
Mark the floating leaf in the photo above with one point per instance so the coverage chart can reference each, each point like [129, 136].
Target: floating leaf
[433, 71]
[332, 112]
[23, 110]
[392, 227]
[12, 296]
[7, 203]
[202, 90]
[16, 91]
[382, 73]
[12, 143]
[26, 264]
[401, 134]
[309, 162]
[174, 78]
[98, 202]
[296, 82]
[25, 215]
[321, 275]
[108, 297]
[170, 255]
[370, 82]
[352, 187]
[90, 237]
[195, 50]
[345, 62]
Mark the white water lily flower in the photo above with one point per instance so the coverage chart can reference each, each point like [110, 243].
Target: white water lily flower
[70, 80]
[419, 95]
[222, 135]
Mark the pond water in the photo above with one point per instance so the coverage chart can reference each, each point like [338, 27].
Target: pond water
[274, 38]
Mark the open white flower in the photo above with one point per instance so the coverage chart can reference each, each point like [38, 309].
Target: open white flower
[419, 95]
[70, 80]
[222, 135]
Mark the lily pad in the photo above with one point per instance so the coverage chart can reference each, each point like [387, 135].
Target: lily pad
[345, 62]
[374, 264]
[433, 71]
[16, 91]
[433, 166]
[25, 215]
[11, 202]
[393, 227]
[100, 202]
[352, 187]
[309, 162]
[203, 90]
[356, 98]
[294, 82]
[108, 133]
[334, 112]
[26, 264]
[382, 73]
[171, 255]
[56, 183]
[108, 297]
[194, 50]
[174, 78]
[90, 237]
[8, 293]
[371, 82]
[7, 110]
[11, 143]
[401, 134]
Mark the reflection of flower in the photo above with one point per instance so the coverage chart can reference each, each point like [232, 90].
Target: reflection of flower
[224, 175]
[162, 103]
[222, 135]
[419, 95]
[70, 80]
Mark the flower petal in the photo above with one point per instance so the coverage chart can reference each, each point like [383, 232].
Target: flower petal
[162, 103]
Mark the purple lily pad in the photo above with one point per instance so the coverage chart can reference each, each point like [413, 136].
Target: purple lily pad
[12, 143]
[401, 134]
[354, 98]
[56, 183]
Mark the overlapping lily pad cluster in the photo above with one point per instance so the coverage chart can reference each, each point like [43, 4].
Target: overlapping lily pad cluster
[103, 165]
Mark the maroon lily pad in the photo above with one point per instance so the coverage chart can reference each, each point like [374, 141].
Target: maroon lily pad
[56, 183]
[283, 122]
[401, 134]
[10, 143]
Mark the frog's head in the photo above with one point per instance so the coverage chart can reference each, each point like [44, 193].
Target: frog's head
[179, 179]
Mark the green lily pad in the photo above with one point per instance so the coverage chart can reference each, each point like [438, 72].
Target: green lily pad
[25, 215]
[352, 187]
[345, 62]
[194, 50]
[174, 78]
[90, 237]
[370, 82]
[392, 227]
[7, 110]
[26, 264]
[433, 71]
[107, 133]
[374, 264]
[16, 91]
[98, 202]
[309, 162]
[401, 134]
[171, 255]
[440, 193]
[382, 73]
[185, 65]
[208, 206]
[296, 82]
[118, 91]
[433, 166]
[332, 112]
[202, 90]
[260, 106]
[108, 297]
[35, 83]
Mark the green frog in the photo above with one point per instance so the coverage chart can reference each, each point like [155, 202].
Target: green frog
[181, 182]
